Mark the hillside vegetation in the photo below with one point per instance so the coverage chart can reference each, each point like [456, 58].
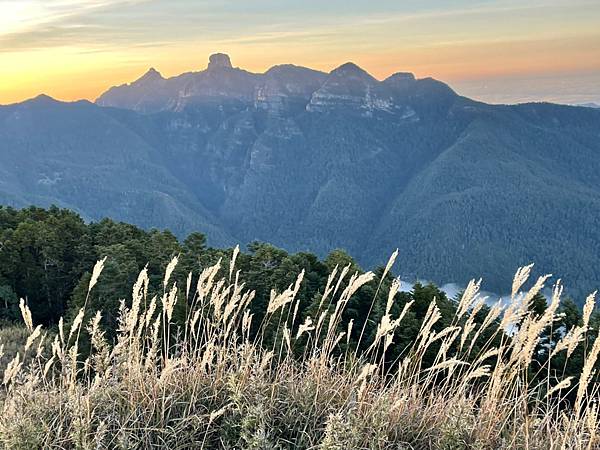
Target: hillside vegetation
[210, 382]
[199, 359]
[462, 188]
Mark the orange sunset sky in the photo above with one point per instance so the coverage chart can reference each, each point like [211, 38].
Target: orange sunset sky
[497, 51]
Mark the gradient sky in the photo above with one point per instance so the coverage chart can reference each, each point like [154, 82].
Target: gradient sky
[495, 50]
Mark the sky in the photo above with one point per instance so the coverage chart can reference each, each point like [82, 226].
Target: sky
[499, 51]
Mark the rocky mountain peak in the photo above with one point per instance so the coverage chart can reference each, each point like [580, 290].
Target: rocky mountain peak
[219, 61]
[351, 71]
[151, 75]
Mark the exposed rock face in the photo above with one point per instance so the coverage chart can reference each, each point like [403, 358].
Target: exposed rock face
[219, 61]
[286, 89]
[281, 91]
[350, 87]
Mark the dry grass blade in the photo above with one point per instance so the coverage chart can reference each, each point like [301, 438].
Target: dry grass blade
[98, 268]
[169, 270]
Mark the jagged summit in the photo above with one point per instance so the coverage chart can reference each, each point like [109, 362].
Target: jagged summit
[219, 61]
[151, 75]
[152, 72]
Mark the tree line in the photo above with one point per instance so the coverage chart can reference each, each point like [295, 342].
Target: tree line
[46, 257]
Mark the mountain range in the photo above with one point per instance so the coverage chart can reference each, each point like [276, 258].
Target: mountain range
[315, 161]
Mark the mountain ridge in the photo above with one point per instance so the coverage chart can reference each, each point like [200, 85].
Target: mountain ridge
[315, 161]
[174, 93]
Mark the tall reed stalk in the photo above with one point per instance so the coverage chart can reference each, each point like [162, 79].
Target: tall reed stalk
[215, 385]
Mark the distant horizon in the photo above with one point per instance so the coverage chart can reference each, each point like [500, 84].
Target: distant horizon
[497, 51]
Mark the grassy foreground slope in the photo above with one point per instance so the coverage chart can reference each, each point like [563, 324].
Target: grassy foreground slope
[216, 379]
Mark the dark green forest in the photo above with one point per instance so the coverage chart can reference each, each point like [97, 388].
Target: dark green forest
[46, 256]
